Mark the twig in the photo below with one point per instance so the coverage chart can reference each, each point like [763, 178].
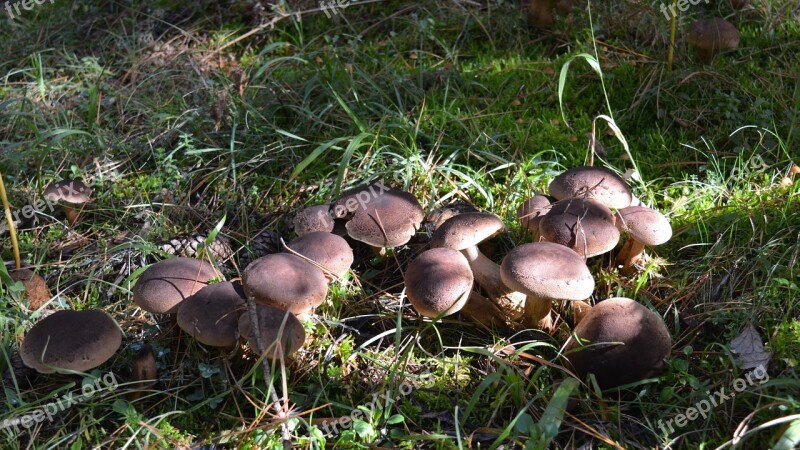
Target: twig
[11, 230]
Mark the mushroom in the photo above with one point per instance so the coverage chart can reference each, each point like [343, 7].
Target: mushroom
[645, 226]
[211, 316]
[380, 216]
[598, 183]
[68, 341]
[326, 249]
[620, 342]
[435, 218]
[531, 211]
[313, 218]
[540, 12]
[438, 282]
[144, 371]
[709, 37]
[71, 194]
[545, 272]
[281, 333]
[36, 291]
[584, 225]
[286, 282]
[164, 285]
[463, 233]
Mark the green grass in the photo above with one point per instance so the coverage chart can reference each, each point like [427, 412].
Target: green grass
[454, 101]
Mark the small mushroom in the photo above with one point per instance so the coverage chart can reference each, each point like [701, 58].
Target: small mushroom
[36, 291]
[620, 342]
[313, 218]
[598, 183]
[435, 218]
[68, 341]
[463, 233]
[286, 282]
[71, 194]
[710, 37]
[645, 226]
[584, 225]
[281, 333]
[211, 316]
[164, 285]
[540, 12]
[326, 249]
[438, 282]
[531, 212]
[545, 272]
[380, 216]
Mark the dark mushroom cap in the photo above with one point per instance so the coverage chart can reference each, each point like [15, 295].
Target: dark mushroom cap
[71, 341]
[540, 13]
[584, 225]
[438, 282]
[712, 36]
[547, 270]
[598, 183]
[165, 284]
[644, 224]
[69, 191]
[326, 249]
[313, 218]
[279, 338]
[466, 230]
[645, 338]
[285, 281]
[211, 316]
[435, 218]
[379, 215]
[531, 211]
[36, 291]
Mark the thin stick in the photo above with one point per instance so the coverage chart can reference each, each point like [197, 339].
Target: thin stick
[11, 230]
[672, 35]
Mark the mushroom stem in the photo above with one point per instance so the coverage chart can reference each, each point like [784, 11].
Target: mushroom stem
[487, 276]
[705, 56]
[537, 312]
[482, 311]
[579, 311]
[71, 214]
[630, 252]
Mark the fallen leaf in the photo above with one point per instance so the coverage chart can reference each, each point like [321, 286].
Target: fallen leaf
[749, 349]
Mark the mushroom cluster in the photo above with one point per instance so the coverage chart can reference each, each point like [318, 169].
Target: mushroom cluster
[588, 210]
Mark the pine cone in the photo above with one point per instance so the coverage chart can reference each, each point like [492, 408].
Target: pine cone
[220, 247]
[264, 243]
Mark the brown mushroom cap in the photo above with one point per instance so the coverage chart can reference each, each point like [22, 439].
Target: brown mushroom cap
[277, 341]
[326, 249]
[164, 285]
[531, 211]
[540, 13]
[435, 218]
[211, 316]
[645, 338]
[285, 281]
[712, 36]
[313, 218]
[438, 282]
[547, 270]
[36, 291]
[380, 216]
[644, 224]
[69, 191]
[598, 183]
[584, 225]
[71, 341]
[467, 230]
